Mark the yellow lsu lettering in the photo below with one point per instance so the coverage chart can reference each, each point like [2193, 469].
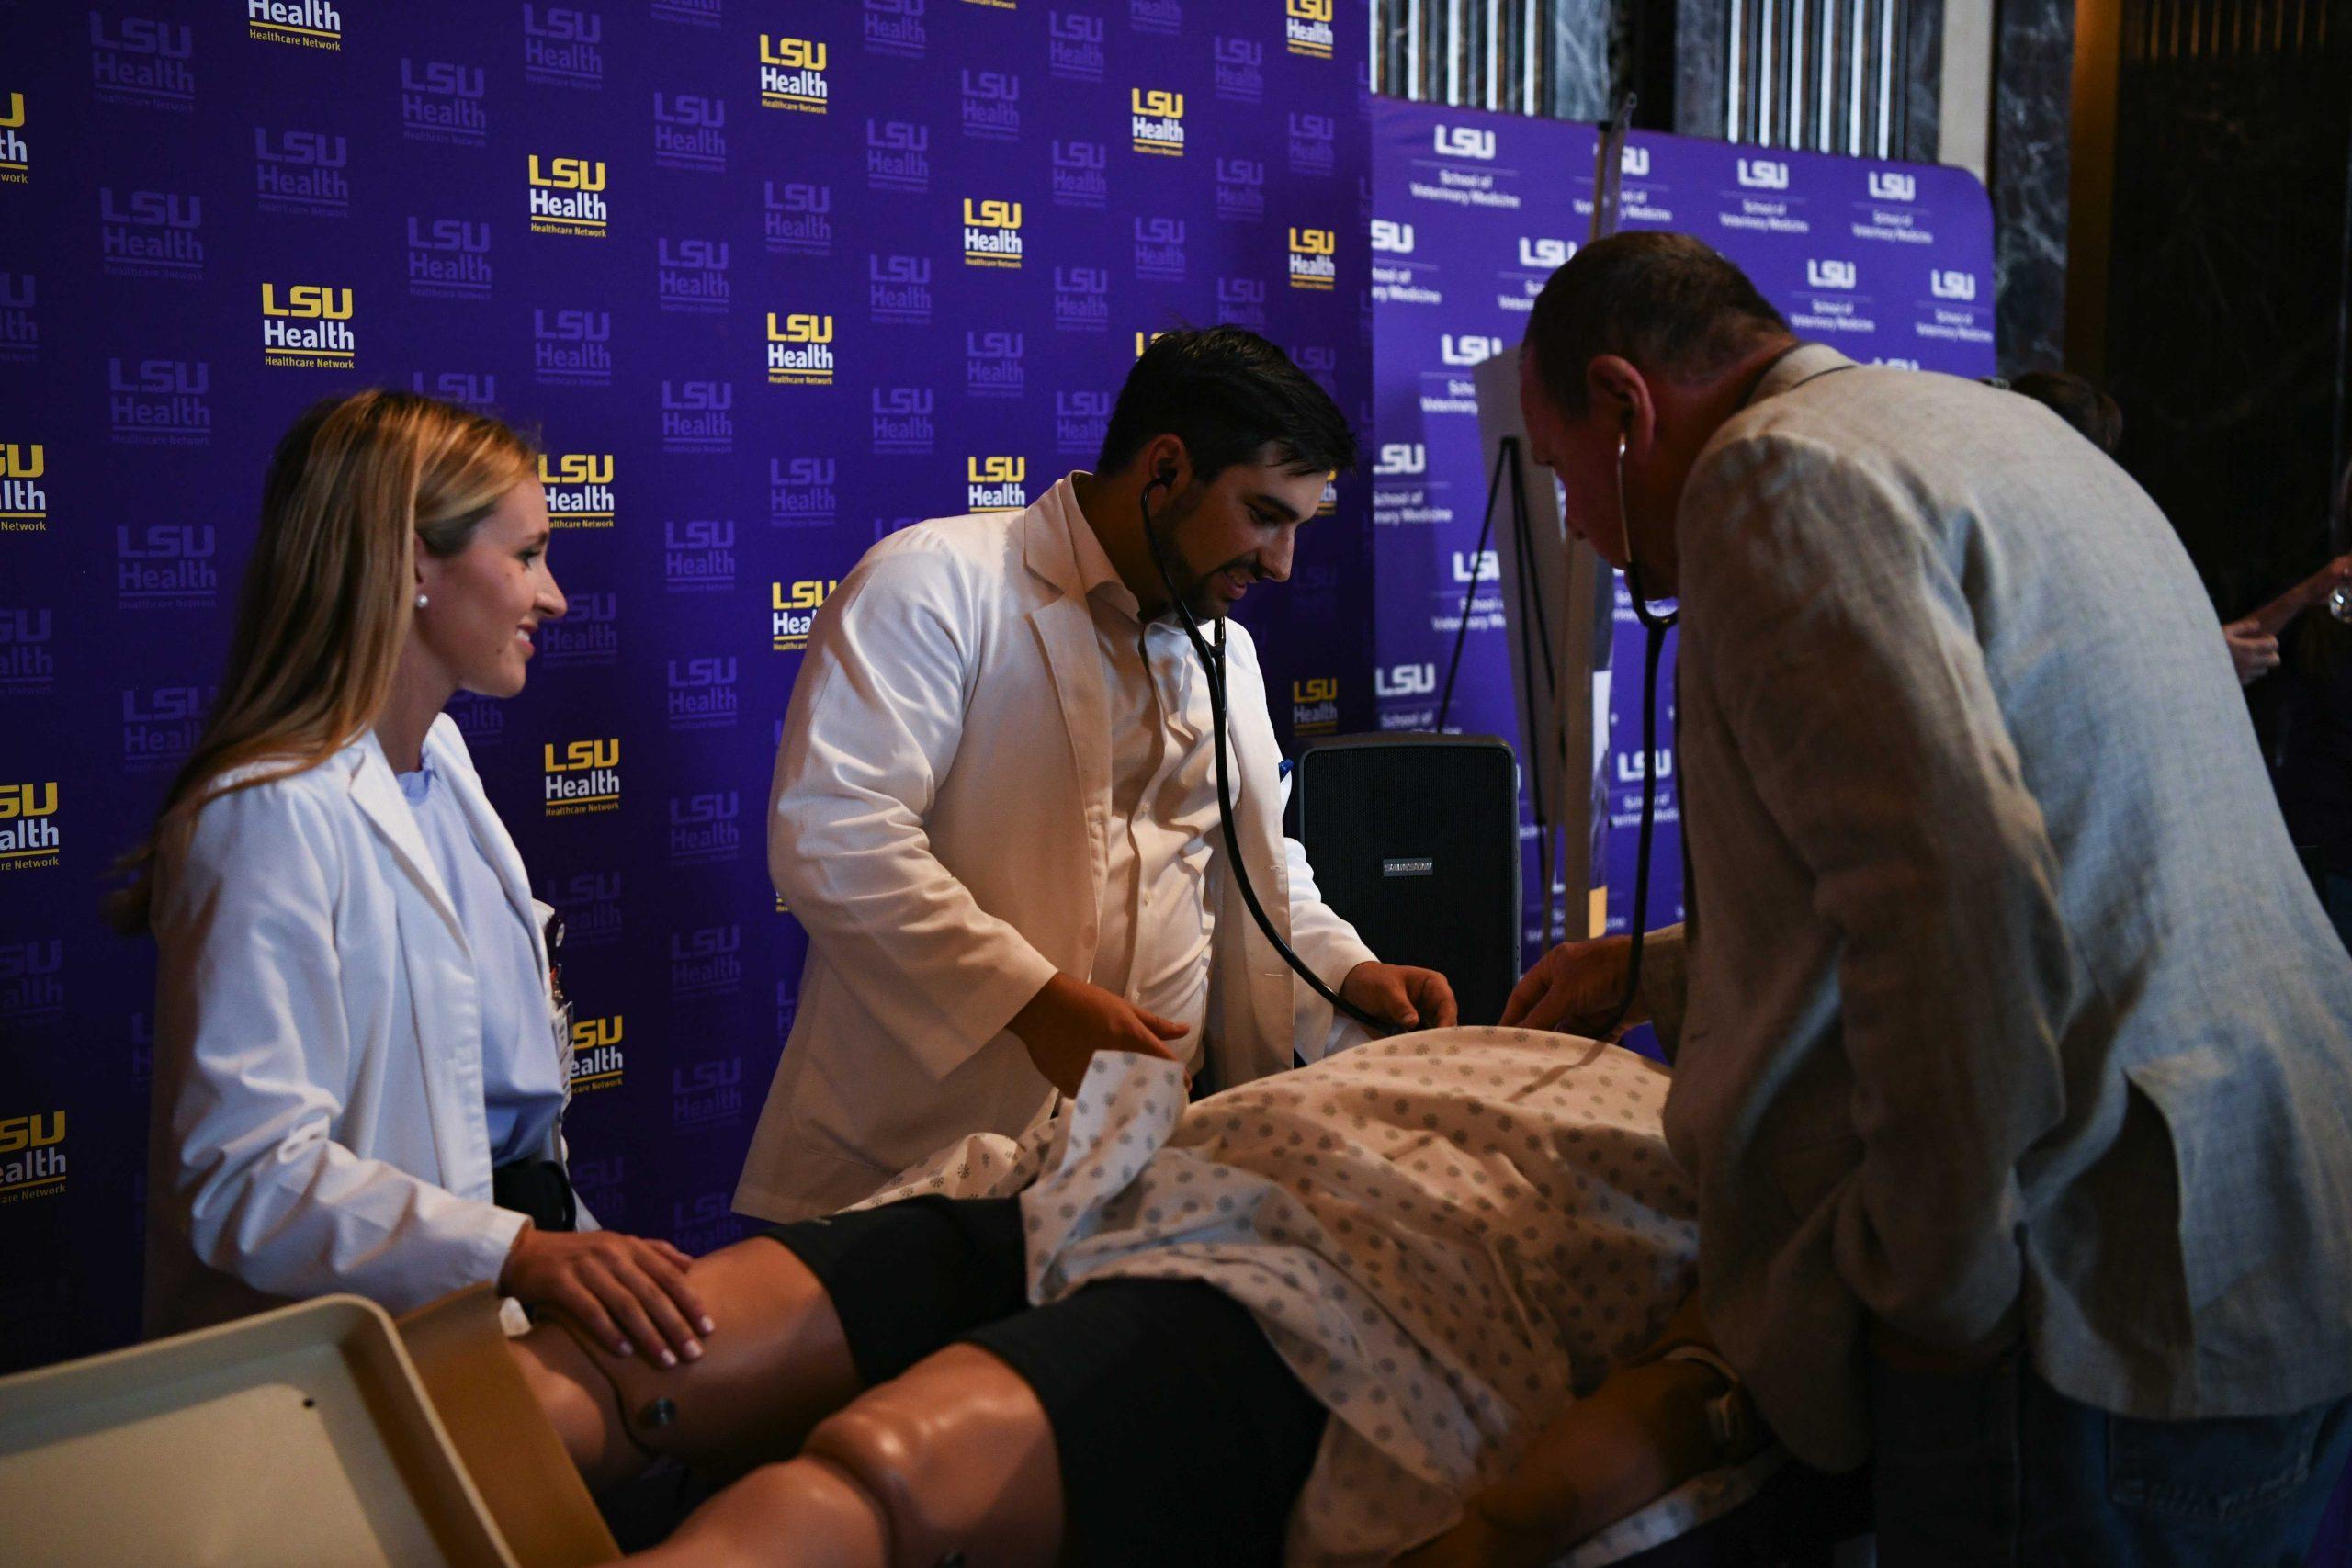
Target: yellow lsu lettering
[583, 755]
[800, 329]
[1158, 104]
[306, 300]
[1321, 689]
[1309, 10]
[1314, 241]
[28, 800]
[996, 470]
[16, 464]
[808, 594]
[578, 468]
[587, 1034]
[568, 173]
[993, 214]
[792, 53]
[15, 115]
[1145, 340]
[29, 1133]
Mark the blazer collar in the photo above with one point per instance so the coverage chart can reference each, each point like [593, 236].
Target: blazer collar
[1047, 545]
[1795, 368]
[446, 750]
[376, 790]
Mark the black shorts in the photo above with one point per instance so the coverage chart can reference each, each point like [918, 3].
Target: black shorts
[1184, 1438]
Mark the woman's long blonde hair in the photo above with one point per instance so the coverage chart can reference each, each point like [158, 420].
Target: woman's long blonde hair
[353, 490]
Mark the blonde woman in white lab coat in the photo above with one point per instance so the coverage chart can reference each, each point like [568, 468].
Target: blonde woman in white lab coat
[360, 1074]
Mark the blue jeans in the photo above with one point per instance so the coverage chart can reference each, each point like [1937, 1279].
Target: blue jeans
[1999, 1468]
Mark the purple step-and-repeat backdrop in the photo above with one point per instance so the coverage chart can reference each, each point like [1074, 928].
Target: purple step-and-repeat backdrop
[768, 281]
[1890, 263]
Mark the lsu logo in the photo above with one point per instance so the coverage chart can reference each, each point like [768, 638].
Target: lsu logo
[32, 1157]
[1543, 254]
[1467, 348]
[1392, 236]
[1156, 121]
[1145, 340]
[801, 351]
[1399, 459]
[24, 504]
[29, 839]
[307, 24]
[584, 777]
[1889, 186]
[1951, 285]
[1762, 174]
[1311, 260]
[1830, 273]
[579, 488]
[1314, 705]
[792, 74]
[995, 484]
[567, 197]
[596, 1051]
[308, 326]
[1306, 28]
[792, 611]
[1634, 161]
[1464, 141]
[16, 155]
[1479, 566]
[993, 234]
[1405, 680]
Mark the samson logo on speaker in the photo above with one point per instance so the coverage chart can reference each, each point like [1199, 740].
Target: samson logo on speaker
[305, 24]
[992, 233]
[792, 74]
[995, 484]
[1393, 867]
[597, 1058]
[579, 488]
[799, 350]
[29, 839]
[792, 611]
[1155, 123]
[1311, 258]
[16, 152]
[1306, 28]
[584, 777]
[567, 197]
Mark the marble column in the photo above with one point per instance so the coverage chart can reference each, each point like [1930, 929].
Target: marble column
[2033, 65]
[1582, 75]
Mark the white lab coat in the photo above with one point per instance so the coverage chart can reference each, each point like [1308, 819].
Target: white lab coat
[318, 1118]
[939, 822]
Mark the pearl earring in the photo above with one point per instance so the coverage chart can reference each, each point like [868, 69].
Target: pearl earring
[422, 601]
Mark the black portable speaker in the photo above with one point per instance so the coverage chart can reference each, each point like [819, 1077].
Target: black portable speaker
[1414, 839]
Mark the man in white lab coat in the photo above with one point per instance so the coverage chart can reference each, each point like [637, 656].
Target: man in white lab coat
[995, 805]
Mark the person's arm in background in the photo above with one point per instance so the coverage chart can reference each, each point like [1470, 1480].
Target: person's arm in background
[1819, 608]
[2254, 639]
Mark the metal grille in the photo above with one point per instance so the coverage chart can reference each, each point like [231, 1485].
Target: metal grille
[2220, 29]
[1824, 75]
[1490, 54]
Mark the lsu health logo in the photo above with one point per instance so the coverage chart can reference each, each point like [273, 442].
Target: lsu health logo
[1162, 16]
[563, 47]
[597, 1060]
[800, 350]
[580, 491]
[707, 961]
[897, 155]
[1313, 143]
[689, 132]
[448, 258]
[1405, 680]
[159, 402]
[1074, 46]
[28, 668]
[1082, 299]
[1240, 64]
[306, 24]
[995, 484]
[19, 322]
[1311, 260]
[1160, 249]
[792, 611]
[1951, 285]
[702, 693]
[1762, 174]
[571, 348]
[32, 1156]
[1886, 186]
[690, 276]
[32, 988]
[796, 219]
[897, 290]
[1306, 28]
[142, 62]
[442, 103]
[995, 364]
[903, 423]
[1392, 236]
[1080, 175]
[591, 905]
[1241, 189]
[1081, 421]
[800, 492]
[151, 233]
[1464, 141]
[792, 74]
[706, 1094]
[1467, 348]
[28, 837]
[567, 197]
[161, 725]
[896, 27]
[24, 503]
[697, 417]
[1314, 705]
[1544, 254]
[992, 233]
[1400, 459]
[698, 555]
[1477, 565]
[16, 152]
[308, 326]
[1242, 301]
[1838, 275]
[991, 105]
[584, 777]
[589, 634]
[705, 828]
[1156, 122]
[475, 389]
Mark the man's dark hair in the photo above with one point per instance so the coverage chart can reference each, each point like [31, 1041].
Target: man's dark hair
[2079, 400]
[1665, 302]
[1226, 393]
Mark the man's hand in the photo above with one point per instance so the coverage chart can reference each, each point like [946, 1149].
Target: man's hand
[2253, 650]
[626, 1290]
[1068, 1021]
[1410, 998]
[1574, 989]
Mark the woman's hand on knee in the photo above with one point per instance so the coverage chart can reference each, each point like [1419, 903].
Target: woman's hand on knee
[626, 1291]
